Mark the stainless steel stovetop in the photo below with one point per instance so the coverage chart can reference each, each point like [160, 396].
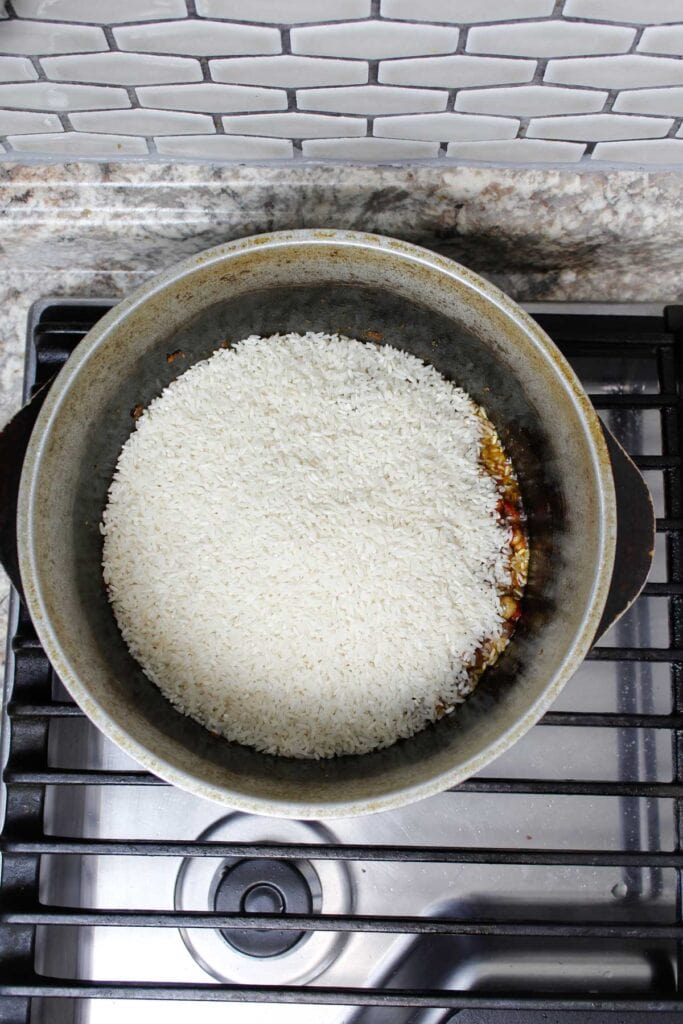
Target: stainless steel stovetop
[550, 885]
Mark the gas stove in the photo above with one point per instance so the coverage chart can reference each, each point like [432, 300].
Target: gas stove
[547, 889]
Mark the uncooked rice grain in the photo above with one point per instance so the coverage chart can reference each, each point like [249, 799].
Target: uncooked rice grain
[301, 547]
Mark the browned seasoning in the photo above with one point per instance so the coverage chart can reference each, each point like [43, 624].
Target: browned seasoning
[137, 411]
[374, 335]
[507, 510]
[172, 356]
[510, 607]
[496, 463]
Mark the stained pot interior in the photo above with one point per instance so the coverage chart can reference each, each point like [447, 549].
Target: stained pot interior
[473, 345]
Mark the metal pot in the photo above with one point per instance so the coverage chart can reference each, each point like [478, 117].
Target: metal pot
[364, 286]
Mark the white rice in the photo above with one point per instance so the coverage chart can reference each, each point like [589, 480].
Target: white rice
[301, 548]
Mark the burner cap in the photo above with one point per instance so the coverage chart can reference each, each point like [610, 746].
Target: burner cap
[263, 886]
[252, 885]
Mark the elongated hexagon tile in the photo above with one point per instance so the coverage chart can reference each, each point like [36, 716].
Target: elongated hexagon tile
[199, 38]
[373, 40]
[211, 98]
[651, 101]
[523, 151]
[456, 72]
[369, 149]
[642, 12]
[101, 12]
[645, 152]
[289, 72]
[223, 147]
[293, 12]
[79, 144]
[372, 100]
[627, 71]
[598, 127]
[122, 69]
[462, 12]
[529, 100]
[294, 125]
[549, 39]
[17, 69]
[143, 122]
[445, 127]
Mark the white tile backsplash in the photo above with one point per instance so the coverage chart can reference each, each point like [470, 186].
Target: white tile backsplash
[653, 151]
[529, 100]
[371, 100]
[289, 72]
[456, 72]
[17, 69]
[651, 101]
[53, 96]
[463, 12]
[294, 12]
[211, 98]
[122, 69]
[663, 39]
[143, 122]
[599, 127]
[101, 12]
[370, 149]
[294, 125]
[374, 40]
[511, 81]
[549, 39]
[223, 147]
[38, 37]
[627, 71]
[517, 151]
[76, 144]
[642, 12]
[23, 122]
[199, 38]
[446, 127]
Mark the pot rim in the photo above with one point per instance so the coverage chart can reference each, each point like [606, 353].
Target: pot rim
[31, 572]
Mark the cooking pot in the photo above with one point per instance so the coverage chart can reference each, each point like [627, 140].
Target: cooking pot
[583, 497]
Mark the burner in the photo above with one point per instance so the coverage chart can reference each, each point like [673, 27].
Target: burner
[263, 885]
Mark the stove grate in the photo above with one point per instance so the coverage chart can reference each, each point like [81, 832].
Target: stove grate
[644, 347]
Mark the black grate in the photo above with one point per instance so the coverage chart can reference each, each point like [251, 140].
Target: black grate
[643, 353]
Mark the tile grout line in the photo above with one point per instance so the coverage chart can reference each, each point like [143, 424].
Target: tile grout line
[130, 90]
[461, 49]
[375, 14]
[206, 75]
[290, 91]
[35, 64]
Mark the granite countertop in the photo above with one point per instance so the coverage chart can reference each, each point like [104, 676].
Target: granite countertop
[540, 234]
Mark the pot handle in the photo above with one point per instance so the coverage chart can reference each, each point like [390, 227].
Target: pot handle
[14, 440]
[635, 535]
